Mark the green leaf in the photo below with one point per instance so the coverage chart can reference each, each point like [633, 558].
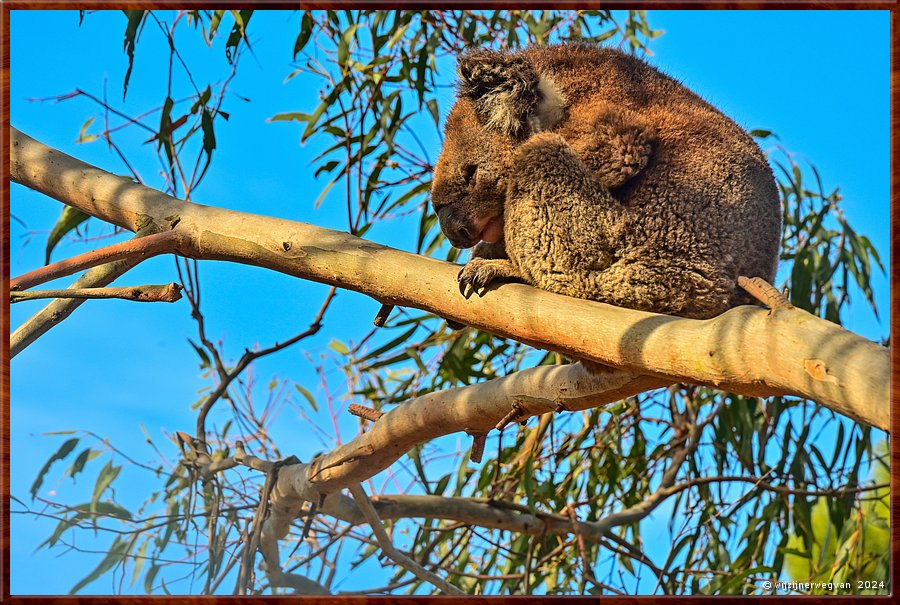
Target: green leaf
[314, 118]
[398, 35]
[83, 137]
[338, 347]
[61, 528]
[432, 106]
[85, 456]
[117, 552]
[202, 100]
[64, 450]
[387, 347]
[326, 167]
[204, 358]
[108, 509]
[68, 220]
[135, 19]
[214, 23]
[107, 475]
[441, 485]
[760, 133]
[344, 44]
[164, 135]
[209, 141]
[238, 32]
[139, 562]
[290, 117]
[309, 397]
[306, 26]
[83, 512]
[325, 191]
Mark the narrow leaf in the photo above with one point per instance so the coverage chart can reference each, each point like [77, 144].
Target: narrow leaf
[68, 221]
[135, 18]
[116, 553]
[64, 450]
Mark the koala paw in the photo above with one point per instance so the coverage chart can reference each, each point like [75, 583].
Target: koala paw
[543, 143]
[479, 273]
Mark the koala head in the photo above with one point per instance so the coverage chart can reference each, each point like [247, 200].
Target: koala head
[501, 101]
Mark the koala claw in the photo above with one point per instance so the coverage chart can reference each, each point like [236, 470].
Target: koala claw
[480, 273]
[471, 282]
[465, 288]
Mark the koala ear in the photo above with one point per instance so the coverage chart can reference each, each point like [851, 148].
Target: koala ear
[504, 89]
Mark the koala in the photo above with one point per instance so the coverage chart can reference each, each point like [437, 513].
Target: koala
[587, 172]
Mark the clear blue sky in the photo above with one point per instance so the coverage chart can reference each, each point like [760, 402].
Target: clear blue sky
[819, 79]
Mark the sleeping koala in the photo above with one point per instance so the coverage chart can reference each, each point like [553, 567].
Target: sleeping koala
[586, 172]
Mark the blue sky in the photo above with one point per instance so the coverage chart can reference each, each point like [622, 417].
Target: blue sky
[819, 79]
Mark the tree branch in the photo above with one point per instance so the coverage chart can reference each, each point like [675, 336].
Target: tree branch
[746, 350]
[140, 248]
[58, 310]
[152, 293]
[362, 500]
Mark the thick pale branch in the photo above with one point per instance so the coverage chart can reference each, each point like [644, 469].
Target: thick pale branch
[747, 350]
[475, 408]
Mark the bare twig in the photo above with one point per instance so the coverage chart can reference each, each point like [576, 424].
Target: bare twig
[362, 500]
[151, 293]
[140, 248]
[249, 356]
[579, 538]
[252, 545]
[58, 310]
[515, 413]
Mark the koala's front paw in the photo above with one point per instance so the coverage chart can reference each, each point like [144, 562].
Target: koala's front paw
[479, 273]
[544, 143]
[546, 158]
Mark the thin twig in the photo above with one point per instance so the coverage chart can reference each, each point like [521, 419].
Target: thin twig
[58, 310]
[152, 293]
[249, 356]
[579, 539]
[516, 411]
[139, 248]
[252, 545]
[368, 511]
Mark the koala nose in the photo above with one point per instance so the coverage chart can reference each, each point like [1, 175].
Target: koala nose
[460, 236]
[457, 231]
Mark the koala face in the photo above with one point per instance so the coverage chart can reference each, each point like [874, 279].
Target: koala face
[502, 100]
[469, 186]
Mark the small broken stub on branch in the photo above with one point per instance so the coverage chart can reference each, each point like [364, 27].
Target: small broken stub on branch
[364, 412]
[479, 438]
[382, 316]
[516, 412]
[765, 292]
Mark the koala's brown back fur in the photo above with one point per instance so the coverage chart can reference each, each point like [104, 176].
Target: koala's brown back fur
[608, 179]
